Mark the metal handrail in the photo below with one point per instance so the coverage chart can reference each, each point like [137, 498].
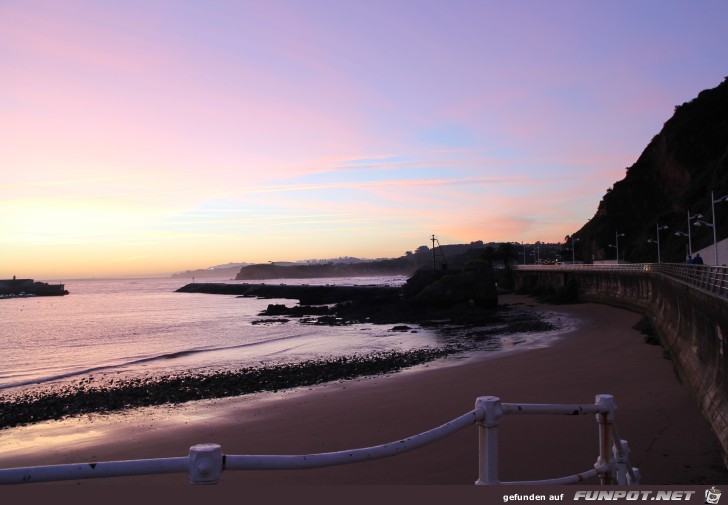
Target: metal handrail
[708, 278]
[612, 466]
[351, 456]
[205, 462]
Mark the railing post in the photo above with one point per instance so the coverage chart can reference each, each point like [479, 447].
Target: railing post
[624, 477]
[205, 462]
[605, 437]
[489, 412]
[620, 461]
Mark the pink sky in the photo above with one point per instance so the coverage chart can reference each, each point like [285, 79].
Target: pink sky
[152, 137]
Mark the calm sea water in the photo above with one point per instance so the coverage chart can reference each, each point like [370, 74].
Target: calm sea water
[143, 327]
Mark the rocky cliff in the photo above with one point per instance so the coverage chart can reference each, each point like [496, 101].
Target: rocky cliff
[674, 174]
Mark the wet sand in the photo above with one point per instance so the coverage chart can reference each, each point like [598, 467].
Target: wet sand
[671, 442]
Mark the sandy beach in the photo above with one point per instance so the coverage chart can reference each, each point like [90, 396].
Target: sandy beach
[671, 443]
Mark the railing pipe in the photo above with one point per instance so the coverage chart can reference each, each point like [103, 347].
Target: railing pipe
[706, 277]
[205, 462]
[273, 462]
[563, 409]
[94, 470]
[570, 479]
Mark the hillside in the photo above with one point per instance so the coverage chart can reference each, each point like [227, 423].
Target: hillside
[674, 174]
[455, 256]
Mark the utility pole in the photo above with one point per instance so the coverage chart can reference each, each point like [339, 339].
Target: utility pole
[434, 267]
[434, 264]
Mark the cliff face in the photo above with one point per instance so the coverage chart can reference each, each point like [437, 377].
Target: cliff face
[675, 173]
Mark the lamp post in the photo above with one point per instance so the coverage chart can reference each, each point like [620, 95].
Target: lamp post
[573, 247]
[616, 241]
[683, 234]
[664, 227]
[524, 252]
[713, 225]
[535, 252]
[690, 241]
[713, 201]
[709, 225]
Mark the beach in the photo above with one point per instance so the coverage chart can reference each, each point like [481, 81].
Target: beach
[670, 441]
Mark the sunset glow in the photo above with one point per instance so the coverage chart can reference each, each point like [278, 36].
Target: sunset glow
[151, 137]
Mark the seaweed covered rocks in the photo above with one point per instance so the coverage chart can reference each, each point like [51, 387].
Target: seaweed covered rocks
[106, 396]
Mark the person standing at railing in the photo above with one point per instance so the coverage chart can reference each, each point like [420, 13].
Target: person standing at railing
[698, 260]
[690, 260]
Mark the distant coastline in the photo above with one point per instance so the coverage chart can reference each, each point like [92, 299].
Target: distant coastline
[375, 268]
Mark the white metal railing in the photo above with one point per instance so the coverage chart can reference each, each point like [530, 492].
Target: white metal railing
[206, 462]
[612, 465]
[708, 278]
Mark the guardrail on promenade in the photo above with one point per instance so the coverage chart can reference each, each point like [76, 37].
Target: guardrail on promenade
[708, 278]
[205, 462]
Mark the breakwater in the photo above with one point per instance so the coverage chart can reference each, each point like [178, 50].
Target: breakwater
[691, 319]
[305, 294]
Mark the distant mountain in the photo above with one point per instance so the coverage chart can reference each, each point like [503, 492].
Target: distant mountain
[226, 271]
[674, 174]
[340, 260]
[230, 270]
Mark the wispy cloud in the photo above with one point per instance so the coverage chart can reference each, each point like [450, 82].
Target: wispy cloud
[244, 128]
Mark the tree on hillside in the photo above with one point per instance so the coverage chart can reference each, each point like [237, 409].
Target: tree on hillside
[507, 254]
[489, 255]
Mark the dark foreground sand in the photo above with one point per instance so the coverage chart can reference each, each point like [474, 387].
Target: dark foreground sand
[671, 442]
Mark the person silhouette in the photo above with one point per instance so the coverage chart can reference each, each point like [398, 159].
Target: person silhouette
[698, 260]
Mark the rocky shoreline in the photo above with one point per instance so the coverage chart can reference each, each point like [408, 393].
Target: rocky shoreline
[345, 305]
[460, 318]
[99, 396]
[109, 393]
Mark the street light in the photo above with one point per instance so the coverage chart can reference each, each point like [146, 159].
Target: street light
[713, 201]
[535, 252]
[616, 241]
[709, 225]
[664, 227]
[713, 225]
[690, 241]
[524, 252]
[536, 255]
[573, 247]
[683, 234]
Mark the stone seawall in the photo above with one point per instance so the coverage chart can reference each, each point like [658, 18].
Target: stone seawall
[691, 323]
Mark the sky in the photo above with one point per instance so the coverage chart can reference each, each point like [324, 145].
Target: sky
[149, 137]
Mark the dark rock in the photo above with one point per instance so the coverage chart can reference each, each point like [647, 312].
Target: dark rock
[475, 285]
[80, 398]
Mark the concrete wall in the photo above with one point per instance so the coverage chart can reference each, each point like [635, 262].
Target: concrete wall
[692, 324]
[708, 253]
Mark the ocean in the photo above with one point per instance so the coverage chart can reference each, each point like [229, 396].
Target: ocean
[142, 327]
